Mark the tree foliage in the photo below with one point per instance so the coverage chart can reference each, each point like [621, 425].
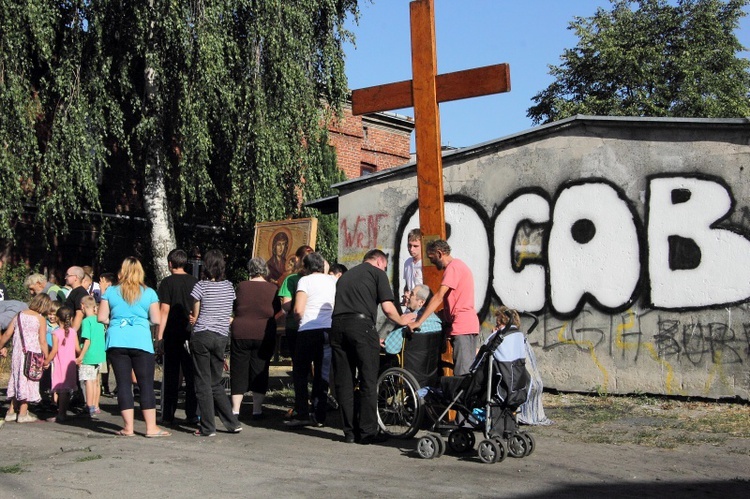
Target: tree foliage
[226, 96]
[652, 58]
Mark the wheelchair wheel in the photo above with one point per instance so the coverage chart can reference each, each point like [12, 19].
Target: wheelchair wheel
[518, 446]
[461, 440]
[490, 451]
[399, 407]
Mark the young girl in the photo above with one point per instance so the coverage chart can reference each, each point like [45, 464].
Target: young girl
[92, 354]
[45, 384]
[65, 348]
[31, 324]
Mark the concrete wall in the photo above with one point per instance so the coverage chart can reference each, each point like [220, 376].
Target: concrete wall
[628, 237]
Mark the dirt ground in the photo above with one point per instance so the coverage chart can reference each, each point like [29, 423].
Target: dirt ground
[598, 446]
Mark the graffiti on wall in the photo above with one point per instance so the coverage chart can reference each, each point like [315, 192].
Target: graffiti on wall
[597, 251]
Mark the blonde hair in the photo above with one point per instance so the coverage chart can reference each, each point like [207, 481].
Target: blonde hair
[131, 279]
[88, 302]
[40, 303]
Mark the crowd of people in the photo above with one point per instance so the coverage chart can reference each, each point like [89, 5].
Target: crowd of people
[87, 328]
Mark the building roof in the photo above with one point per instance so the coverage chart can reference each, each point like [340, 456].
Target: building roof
[532, 134]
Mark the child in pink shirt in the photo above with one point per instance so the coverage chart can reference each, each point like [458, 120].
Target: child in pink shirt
[65, 349]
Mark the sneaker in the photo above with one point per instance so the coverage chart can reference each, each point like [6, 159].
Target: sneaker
[27, 418]
[235, 430]
[315, 422]
[297, 423]
[11, 417]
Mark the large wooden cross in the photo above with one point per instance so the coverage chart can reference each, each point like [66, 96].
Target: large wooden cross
[424, 92]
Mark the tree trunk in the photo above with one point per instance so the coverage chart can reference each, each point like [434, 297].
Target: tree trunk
[163, 238]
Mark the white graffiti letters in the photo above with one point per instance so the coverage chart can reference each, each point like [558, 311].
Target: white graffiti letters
[693, 264]
[522, 290]
[593, 248]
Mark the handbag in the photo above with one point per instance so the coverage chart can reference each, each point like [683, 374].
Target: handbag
[33, 362]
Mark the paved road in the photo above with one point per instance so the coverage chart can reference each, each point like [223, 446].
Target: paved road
[84, 459]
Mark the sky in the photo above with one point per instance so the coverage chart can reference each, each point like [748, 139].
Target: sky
[527, 34]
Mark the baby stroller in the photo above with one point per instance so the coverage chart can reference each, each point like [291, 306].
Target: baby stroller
[485, 406]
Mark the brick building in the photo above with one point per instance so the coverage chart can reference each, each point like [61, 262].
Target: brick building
[371, 143]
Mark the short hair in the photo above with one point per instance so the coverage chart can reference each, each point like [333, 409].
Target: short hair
[314, 262]
[88, 301]
[439, 245]
[338, 268]
[76, 271]
[421, 291]
[108, 276]
[178, 258]
[505, 315]
[257, 267]
[35, 279]
[214, 265]
[375, 254]
[40, 303]
[414, 234]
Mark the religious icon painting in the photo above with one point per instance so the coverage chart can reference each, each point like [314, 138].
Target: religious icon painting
[276, 242]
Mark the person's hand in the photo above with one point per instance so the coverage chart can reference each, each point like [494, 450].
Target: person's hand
[192, 319]
[3, 352]
[46, 365]
[79, 361]
[159, 346]
[382, 342]
[413, 326]
[409, 317]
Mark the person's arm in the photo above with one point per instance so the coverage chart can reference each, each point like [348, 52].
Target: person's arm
[390, 311]
[6, 335]
[77, 320]
[52, 353]
[432, 305]
[43, 335]
[154, 315]
[195, 312]
[164, 311]
[300, 302]
[86, 345]
[103, 315]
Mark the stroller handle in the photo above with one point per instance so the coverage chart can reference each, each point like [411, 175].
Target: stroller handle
[534, 318]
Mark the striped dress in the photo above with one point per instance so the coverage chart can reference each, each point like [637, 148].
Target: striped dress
[217, 300]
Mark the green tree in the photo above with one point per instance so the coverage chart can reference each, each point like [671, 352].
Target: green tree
[212, 109]
[652, 58]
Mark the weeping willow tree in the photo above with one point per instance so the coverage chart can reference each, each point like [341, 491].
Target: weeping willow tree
[212, 108]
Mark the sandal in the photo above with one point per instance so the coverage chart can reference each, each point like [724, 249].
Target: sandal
[121, 433]
[158, 434]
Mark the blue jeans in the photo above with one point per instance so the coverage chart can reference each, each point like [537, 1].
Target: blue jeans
[207, 349]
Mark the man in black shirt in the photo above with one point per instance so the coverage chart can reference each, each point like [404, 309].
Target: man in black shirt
[356, 345]
[174, 331]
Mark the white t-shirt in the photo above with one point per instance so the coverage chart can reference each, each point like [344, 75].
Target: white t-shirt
[321, 294]
[412, 273]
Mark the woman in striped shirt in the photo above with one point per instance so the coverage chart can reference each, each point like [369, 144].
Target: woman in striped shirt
[212, 314]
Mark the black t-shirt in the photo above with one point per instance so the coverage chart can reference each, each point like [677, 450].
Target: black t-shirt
[74, 298]
[360, 291]
[174, 290]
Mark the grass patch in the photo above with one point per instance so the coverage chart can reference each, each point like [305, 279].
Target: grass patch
[88, 458]
[14, 469]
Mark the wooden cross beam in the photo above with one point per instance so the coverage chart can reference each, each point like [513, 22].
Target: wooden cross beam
[424, 92]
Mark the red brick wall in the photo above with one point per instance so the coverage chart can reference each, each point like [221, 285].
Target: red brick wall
[369, 141]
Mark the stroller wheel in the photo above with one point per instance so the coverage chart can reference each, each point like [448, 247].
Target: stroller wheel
[531, 443]
[518, 446]
[461, 440]
[491, 451]
[427, 447]
[441, 445]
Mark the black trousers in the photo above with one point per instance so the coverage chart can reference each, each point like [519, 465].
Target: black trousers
[355, 347]
[176, 358]
[310, 346]
[208, 349]
[127, 360]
